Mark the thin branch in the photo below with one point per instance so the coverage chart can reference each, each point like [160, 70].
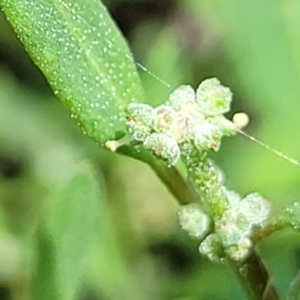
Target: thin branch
[170, 176]
[254, 278]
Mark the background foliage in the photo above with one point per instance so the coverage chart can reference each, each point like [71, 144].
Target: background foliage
[136, 249]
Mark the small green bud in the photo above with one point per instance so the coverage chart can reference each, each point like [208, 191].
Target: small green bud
[212, 248]
[140, 113]
[234, 230]
[232, 234]
[180, 127]
[139, 120]
[207, 136]
[240, 251]
[183, 98]
[164, 146]
[213, 98]
[164, 118]
[138, 132]
[255, 208]
[193, 220]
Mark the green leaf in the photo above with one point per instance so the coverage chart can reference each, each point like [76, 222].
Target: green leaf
[44, 284]
[68, 236]
[288, 217]
[84, 57]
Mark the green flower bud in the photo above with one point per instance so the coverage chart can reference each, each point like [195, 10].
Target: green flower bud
[193, 220]
[183, 98]
[212, 248]
[255, 208]
[206, 136]
[213, 98]
[164, 118]
[164, 146]
[233, 235]
[139, 120]
[240, 251]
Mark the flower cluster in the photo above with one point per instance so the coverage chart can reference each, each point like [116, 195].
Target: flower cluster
[190, 124]
[234, 229]
[187, 117]
[232, 232]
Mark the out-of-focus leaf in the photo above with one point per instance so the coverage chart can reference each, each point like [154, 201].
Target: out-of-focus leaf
[44, 284]
[68, 236]
[165, 48]
[83, 56]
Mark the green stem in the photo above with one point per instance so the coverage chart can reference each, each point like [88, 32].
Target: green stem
[254, 278]
[207, 181]
[265, 231]
[170, 176]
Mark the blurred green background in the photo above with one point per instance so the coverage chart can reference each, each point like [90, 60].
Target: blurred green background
[139, 252]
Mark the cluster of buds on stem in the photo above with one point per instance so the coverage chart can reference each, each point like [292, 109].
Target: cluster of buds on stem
[188, 126]
[186, 118]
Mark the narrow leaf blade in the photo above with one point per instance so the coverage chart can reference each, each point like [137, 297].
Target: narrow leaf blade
[84, 57]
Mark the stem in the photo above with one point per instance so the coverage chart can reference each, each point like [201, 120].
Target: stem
[265, 231]
[207, 181]
[254, 278]
[170, 176]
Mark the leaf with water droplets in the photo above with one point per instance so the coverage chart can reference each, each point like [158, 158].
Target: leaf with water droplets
[288, 217]
[83, 56]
